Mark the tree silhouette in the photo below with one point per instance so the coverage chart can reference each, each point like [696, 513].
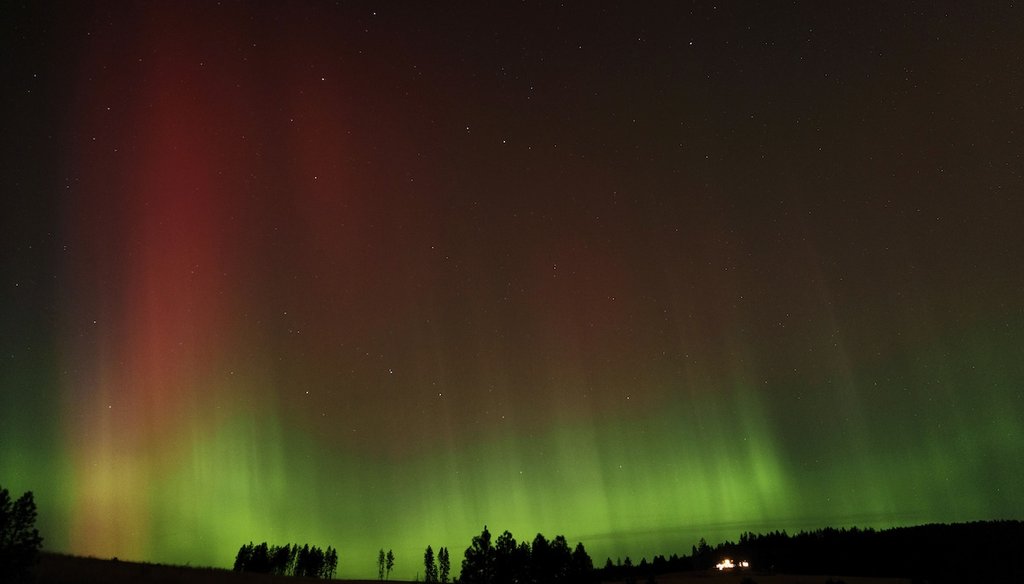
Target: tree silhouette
[540, 559]
[287, 560]
[19, 539]
[581, 567]
[282, 560]
[429, 567]
[330, 563]
[478, 560]
[703, 555]
[542, 562]
[390, 564]
[302, 560]
[523, 564]
[560, 558]
[982, 551]
[260, 561]
[243, 557]
[505, 564]
[445, 567]
[627, 567]
[381, 560]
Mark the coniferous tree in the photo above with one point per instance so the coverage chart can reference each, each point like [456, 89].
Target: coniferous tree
[390, 564]
[316, 562]
[243, 558]
[540, 560]
[287, 560]
[279, 560]
[582, 567]
[478, 561]
[523, 563]
[293, 554]
[330, 563]
[610, 570]
[702, 555]
[505, 568]
[302, 561]
[560, 558]
[319, 562]
[260, 560]
[644, 569]
[19, 539]
[293, 558]
[445, 565]
[381, 560]
[429, 567]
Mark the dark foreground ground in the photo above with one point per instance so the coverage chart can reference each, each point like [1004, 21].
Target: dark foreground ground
[738, 578]
[62, 569]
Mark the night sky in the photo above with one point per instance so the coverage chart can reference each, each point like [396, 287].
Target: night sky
[377, 274]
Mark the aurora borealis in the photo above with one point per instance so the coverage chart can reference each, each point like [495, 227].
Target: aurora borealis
[377, 274]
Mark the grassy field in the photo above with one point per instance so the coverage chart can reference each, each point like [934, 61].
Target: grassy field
[62, 569]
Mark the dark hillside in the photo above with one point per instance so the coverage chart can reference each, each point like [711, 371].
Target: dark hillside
[64, 569]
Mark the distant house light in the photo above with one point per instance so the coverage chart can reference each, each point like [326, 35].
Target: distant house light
[728, 564]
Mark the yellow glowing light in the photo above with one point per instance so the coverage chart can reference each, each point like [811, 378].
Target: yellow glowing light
[728, 564]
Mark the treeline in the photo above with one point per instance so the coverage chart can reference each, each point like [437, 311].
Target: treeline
[986, 551]
[287, 560]
[507, 562]
[19, 539]
[436, 572]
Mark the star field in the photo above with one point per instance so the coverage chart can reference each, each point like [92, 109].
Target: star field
[375, 275]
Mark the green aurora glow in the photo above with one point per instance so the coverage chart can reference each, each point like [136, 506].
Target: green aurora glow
[272, 297]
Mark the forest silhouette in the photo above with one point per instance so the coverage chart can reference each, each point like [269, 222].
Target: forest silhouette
[506, 562]
[982, 551]
[287, 560]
